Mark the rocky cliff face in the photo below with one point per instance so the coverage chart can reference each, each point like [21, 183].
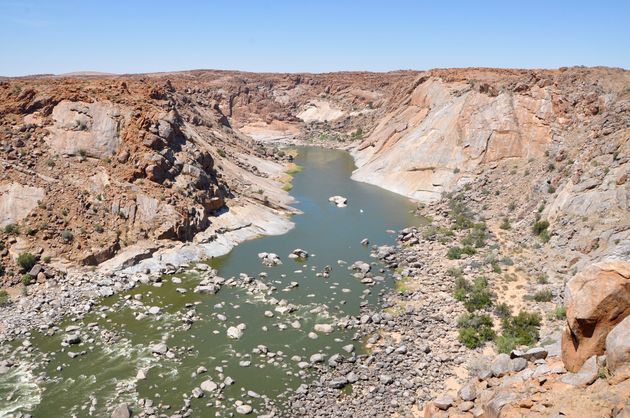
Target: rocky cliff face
[91, 165]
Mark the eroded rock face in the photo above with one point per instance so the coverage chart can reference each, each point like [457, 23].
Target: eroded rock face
[90, 129]
[416, 149]
[17, 201]
[598, 299]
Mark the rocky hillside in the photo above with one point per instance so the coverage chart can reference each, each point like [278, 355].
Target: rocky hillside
[92, 165]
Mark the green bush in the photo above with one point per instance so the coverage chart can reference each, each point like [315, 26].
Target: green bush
[11, 229]
[480, 297]
[26, 261]
[454, 253]
[460, 214]
[67, 235]
[462, 287]
[542, 296]
[505, 224]
[474, 330]
[503, 310]
[476, 237]
[540, 226]
[522, 329]
[47, 259]
[26, 279]
[560, 313]
[4, 298]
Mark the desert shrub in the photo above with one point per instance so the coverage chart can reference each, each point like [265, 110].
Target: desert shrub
[560, 313]
[99, 228]
[432, 232]
[67, 235]
[479, 297]
[462, 218]
[476, 237]
[474, 330]
[4, 298]
[221, 153]
[456, 170]
[1, 245]
[26, 279]
[551, 189]
[540, 227]
[462, 287]
[26, 261]
[358, 134]
[544, 295]
[503, 310]
[47, 259]
[455, 272]
[512, 206]
[454, 253]
[496, 268]
[505, 224]
[542, 279]
[11, 229]
[522, 329]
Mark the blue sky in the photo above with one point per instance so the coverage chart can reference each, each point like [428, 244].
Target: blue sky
[57, 36]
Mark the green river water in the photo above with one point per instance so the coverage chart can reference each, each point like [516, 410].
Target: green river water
[48, 383]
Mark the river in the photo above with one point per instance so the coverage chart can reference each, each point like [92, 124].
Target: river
[49, 383]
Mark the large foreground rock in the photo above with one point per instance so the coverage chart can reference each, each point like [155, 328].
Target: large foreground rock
[618, 346]
[598, 299]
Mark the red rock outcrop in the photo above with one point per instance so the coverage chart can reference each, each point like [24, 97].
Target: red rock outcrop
[597, 299]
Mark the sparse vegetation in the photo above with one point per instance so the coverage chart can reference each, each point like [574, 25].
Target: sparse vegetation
[475, 296]
[26, 279]
[503, 310]
[455, 253]
[475, 330]
[26, 261]
[67, 235]
[560, 313]
[505, 224]
[221, 153]
[11, 229]
[4, 298]
[544, 295]
[540, 227]
[522, 329]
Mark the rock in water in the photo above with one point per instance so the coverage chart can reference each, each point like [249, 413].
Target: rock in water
[121, 411]
[234, 333]
[340, 201]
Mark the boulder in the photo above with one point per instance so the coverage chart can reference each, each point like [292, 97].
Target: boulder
[121, 411]
[618, 346]
[340, 201]
[585, 376]
[598, 299]
[501, 365]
